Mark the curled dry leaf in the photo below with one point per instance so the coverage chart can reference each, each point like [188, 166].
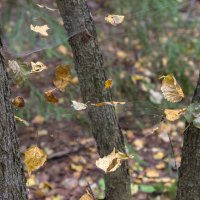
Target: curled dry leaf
[18, 102]
[37, 67]
[112, 161]
[42, 30]
[62, 77]
[108, 83]
[171, 89]
[111, 103]
[174, 114]
[19, 119]
[78, 106]
[14, 66]
[87, 196]
[34, 158]
[46, 7]
[115, 19]
[50, 97]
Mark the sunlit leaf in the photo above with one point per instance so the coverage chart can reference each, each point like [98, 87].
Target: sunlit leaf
[171, 89]
[111, 103]
[40, 29]
[108, 83]
[37, 67]
[152, 173]
[46, 7]
[112, 161]
[174, 114]
[19, 119]
[115, 19]
[18, 102]
[50, 97]
[62, 77]
[34, 158]
[78, 106]
[87, 196]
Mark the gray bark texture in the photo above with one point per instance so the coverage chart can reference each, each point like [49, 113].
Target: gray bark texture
[189, 171]
[88, 60]
[12, 179]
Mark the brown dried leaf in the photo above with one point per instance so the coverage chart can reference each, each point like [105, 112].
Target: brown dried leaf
[174, 114]
[18, 102]
[50, 97]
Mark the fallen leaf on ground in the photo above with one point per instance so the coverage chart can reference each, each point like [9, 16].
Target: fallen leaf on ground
[112, 103]
[78, 106]
[115, 19]
[108, 83]
[171, 89]
[158, 155]
[34, 158]
[40, 29]
[50, 97]
[112, 161]
[18, 102]
[78, 168]
[161, 165]
[37, 67]
[62, 77]
[174, 114]
[152, 173]
[87, 196]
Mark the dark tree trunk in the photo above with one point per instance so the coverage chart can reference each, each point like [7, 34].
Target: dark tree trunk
[189, 171]
[88, 60]
[12, 179]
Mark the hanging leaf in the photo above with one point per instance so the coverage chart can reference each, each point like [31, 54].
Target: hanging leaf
[46, 7]
[37, 67]
[18, 102]
[87, 196]
[42, 30]
[171, 89]
[19, 119]
[174, 114]
[78, 105]
[115, 19]
[62, 77]
[112, 161]
[108, 83]
[34, 158]
[111, 103]
[50, 97]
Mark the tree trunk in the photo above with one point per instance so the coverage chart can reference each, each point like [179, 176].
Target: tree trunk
[189, 171]
[88, 60]
[12, 179]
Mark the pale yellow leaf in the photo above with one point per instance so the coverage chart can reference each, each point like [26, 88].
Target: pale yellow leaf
[108, 83]
[46, 7]
[78, 106]
[34, 158]
[21, 120]
[174, 114]
[111, 103]
[87, 196]
[152, 173]
[171, 89]
[37, 67]
[40, 29]
[115, 19]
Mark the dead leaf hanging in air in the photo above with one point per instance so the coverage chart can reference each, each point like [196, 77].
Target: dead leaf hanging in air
[171, 89]
[78, 106]
[174, 114]
[111, 103]
[40, 29]
[19, 119]
[34, 158]
[46, 7]
[62, 77]
[112, 161]
[50, 97]
[115, 19]
[108, 83]
[18, 102]
[37, 67]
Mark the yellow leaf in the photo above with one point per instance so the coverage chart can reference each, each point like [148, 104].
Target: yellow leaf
[111, 103]
[46, 7]
[34, 158]
[136, 78]
[18, 102]
[86, 196]
[108, 83]
[40, 29]
[37, 67]
[74, 81]
[78, 106]
[21, 120]
[174, 114]
[62, 77]
[115, 19]
[152, 173]
[171, 89]
[111, 162]
[78, 168]
[50, 97]
[159, 155]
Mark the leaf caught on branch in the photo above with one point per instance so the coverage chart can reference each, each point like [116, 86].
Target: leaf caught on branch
[62, 77]
[42, 30]
[171, 89]
[78, 106]
[50, 97]
[34, 158]
[37, 67]
[108, 83]
[174, 114]
[19, 119]
[112, 161]
[115, 19]
[46, 7]
[18, 102]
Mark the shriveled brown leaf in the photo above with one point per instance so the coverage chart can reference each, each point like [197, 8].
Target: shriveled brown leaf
[18, 102]
[50, 97]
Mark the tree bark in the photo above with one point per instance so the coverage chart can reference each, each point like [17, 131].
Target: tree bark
[88, 60]
[12, 179]
[189, 171]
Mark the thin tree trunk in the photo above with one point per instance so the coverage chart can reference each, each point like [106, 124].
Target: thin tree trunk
[88, 60]
[12, 180]
[189, 171]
